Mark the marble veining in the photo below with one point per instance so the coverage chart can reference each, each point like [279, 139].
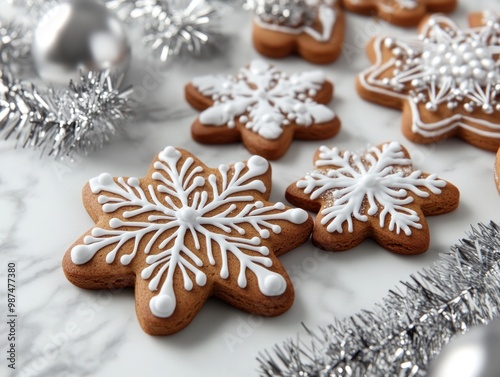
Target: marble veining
[70, 332]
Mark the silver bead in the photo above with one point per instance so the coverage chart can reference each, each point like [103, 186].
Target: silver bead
[472, 354]
[79, 35]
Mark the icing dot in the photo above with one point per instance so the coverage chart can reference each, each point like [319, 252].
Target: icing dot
[102, 199]
[279, 206]
[126, 259]
[298, 216]
[132, 181]
[171, 152]
[115, 223]
[255, 240]
[276, 229]
[105, 179]
[81, 254]
[187, 215]
[199, 181]
[243, 119]
[259, 163]
[264, 233]
[487, 108]
[88, 240]
[258, 204]
[162, 306]
[201, 279]
[98, 232]
[389, 42]
[273, 285]
[264, 251]
[431, 106]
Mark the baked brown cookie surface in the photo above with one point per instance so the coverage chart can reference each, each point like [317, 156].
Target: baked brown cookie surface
[186, 232]
[374, 195]
[400, 12]
[263, 107]
[447, 81]
[313, 31]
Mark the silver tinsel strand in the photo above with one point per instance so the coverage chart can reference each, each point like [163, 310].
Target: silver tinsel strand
[173, 27]
[15, 47]
[410, 326]
[60, 123]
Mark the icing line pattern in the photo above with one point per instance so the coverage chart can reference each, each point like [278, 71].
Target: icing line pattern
[183, 202]
[446, 66]
[377, 183]
[263, 99]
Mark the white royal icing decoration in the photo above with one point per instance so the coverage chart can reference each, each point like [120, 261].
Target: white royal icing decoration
[179, 204]
[377, 183]
[326, 16]
[445, 66]
[388, 5]
[264, 99]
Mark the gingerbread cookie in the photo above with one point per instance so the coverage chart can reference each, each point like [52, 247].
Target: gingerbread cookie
[312, 29]
[186, 232]
[377, 194]
[263, 107]
[400, 12]
[447, 82]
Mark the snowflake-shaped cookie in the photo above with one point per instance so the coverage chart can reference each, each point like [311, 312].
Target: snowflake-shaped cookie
[377, 194]
[264, 107]
[184, 233]
[400, 12]
[447, 82]
[313, 29]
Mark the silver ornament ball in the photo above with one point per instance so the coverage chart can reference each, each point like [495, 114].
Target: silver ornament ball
[474, 354]
[79, 35]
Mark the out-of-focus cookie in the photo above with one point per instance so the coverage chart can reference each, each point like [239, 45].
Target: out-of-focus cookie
[377, 195]
[400, 12]
[186, 232]
[312, 29]
[263, 107]
[447, 81]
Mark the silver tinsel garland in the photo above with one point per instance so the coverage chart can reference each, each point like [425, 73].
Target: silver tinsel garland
[60, 123]
[15, 47]
[410, 326]
[174, 27]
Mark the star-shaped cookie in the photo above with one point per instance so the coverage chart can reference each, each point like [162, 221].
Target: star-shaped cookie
[263, 107]
[447, 82]
[313, 31]
[186, 232]
[377, 195]
[400, 12]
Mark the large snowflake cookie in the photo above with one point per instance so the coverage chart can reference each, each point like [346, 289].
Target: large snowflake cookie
[447, 82]
[377, 194]
[400, 12]
[186, 232]
[313, 29]
[263, 107]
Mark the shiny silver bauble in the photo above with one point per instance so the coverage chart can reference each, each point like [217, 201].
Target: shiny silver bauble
[79, 35]
[474, 354]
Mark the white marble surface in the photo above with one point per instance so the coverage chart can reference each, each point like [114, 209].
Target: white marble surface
[67, 331]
